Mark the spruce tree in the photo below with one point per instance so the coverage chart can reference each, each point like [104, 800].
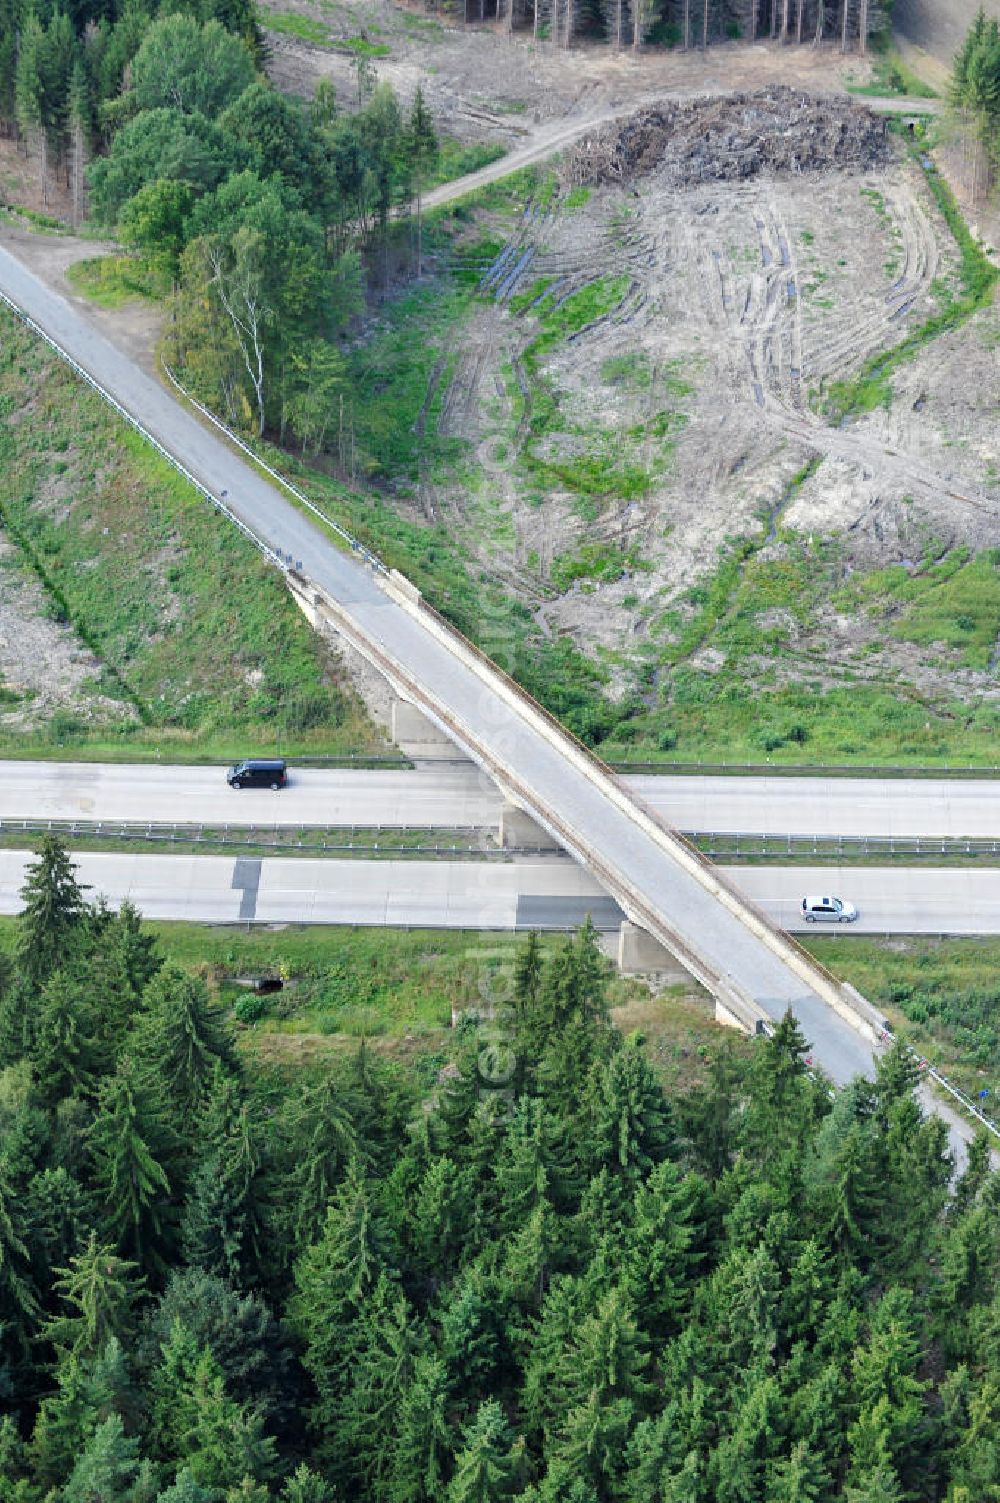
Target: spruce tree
[321, 1141]
[180, 1041]
[334, 1280]
[30, 108]
[422, 151]
[221, 1225]
[111, 1469]
[798, 1478]
[184, 1489]
[662, 1247]
[66, 1053]
[171, 1393]
[138, 952]
[215, 1230]
[88, 1391]
[51, 920]
[306, 1486]
[99, 1291]
[251, 1349]
[487, 1467]
[388, 1345]
[422, 1444]
[226, 1441]
[128, 1145]
[631, 1120]
[18, 1292]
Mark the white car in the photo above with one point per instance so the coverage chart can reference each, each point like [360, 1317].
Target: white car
[828, 911]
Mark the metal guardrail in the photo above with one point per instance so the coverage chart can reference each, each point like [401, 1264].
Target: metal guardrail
[740, 843]
[931, 1072]
[355, 544]
[289, 838]
[886, 771]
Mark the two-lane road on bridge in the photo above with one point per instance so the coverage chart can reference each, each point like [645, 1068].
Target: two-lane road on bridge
[735, 951]
[456, 795]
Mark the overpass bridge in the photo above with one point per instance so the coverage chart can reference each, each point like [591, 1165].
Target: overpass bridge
[753, 969]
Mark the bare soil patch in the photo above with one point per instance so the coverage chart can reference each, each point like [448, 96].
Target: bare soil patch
[44, 666]
[697, 396]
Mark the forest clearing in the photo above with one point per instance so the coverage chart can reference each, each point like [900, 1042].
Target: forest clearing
[682, 428]
[660, 432]
[653, 424]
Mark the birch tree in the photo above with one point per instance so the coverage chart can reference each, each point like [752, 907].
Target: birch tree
[643, 13]
[237, 278]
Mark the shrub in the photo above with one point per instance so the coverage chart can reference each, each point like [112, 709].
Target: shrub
[251, 1008]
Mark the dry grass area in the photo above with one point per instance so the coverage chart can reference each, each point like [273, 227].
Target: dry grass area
[678, 1029]
[680, 1034]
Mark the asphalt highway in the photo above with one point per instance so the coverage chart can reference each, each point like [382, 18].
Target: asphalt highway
[456, 795]
[540, 893]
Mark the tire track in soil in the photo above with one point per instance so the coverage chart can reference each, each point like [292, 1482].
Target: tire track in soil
[420, 425]
[852, 342]
[754, 320]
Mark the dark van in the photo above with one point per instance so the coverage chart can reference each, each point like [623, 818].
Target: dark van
[258, 772]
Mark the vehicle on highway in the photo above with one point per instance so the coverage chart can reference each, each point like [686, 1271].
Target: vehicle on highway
[828, 910]
[258, 772]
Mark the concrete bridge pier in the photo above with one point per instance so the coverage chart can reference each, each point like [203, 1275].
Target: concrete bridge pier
[639, 953]
[518, 831]
[419, 737]
[728, 1019]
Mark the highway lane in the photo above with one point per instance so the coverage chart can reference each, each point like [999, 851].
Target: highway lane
[950, 807]
[542, 893]
[457, 795]
[453, 795]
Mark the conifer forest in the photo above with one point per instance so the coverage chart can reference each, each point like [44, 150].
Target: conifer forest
[534, 1276]
[515, 1263]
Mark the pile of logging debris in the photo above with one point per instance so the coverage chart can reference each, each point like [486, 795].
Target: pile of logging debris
[731, 138]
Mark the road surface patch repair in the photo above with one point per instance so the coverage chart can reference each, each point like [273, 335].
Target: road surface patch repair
[547, 912]
[246, 878]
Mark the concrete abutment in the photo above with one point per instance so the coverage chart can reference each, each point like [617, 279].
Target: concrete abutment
[518, 831]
